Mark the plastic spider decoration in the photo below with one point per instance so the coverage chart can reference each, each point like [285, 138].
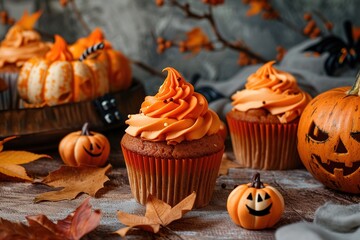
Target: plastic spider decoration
[341, 53]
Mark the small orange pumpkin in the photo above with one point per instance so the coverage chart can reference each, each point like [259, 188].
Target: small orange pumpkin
[255, 205]
[58, 78]
[84, 148]
[118, 66]
[329, 138]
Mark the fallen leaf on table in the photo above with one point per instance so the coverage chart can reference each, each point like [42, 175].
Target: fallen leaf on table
[76, 225]
[74, 180]
[9, 161]
[226, 164]
[158, 214]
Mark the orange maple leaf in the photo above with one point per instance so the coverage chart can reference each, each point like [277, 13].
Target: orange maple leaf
[28, 21]
[196, 39]
[158, 214]
[73, 181]
[9, 161]
[76, 225]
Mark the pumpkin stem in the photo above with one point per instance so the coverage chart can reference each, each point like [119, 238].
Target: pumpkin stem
[85, 129]
[355, 89]
[256, 183]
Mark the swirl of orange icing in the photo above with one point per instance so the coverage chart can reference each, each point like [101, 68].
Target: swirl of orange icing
[59, 51]
[176, 113]
[21, 44]
[274, 90]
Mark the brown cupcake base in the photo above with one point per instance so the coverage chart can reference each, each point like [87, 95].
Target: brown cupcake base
[264, 145]
[171, 180]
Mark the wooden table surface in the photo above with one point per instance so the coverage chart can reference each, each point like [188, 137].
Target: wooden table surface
[301, 192]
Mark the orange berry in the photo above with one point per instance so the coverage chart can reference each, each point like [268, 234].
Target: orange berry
[307, 17]
[159, 3]
[168, 44]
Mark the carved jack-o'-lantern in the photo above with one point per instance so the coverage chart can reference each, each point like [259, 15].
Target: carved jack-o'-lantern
[84, 148]
[58, 78]
[329, 138]
[255, 205]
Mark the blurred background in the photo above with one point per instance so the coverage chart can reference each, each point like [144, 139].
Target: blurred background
[134, 26]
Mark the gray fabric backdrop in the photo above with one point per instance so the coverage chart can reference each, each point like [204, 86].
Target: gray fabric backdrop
[132, 24]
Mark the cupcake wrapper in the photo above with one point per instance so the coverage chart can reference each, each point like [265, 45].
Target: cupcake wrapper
[171, 180]
[9, 98]
[264, 145]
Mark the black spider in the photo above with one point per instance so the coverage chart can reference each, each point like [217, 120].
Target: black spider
[341, 53]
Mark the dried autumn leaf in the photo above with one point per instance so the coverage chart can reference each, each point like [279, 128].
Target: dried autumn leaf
[76, 225]
[158, 214]
[9, 161]
[74, 180]
[196, 39]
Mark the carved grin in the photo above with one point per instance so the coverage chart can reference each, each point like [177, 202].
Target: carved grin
[92, 154]
[330, 166]
[259, 213]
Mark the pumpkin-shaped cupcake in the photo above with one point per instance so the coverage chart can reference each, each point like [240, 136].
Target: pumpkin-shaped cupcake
[118, 66]
[58, 78]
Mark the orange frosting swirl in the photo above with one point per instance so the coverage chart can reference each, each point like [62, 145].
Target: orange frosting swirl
[176, 113]
[21, 44]
[274, 90]
[59, 51]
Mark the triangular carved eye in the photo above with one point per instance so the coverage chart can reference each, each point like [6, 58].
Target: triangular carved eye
[249, 197]
[316, 134]
[356, 136]
[267, 196]
[259, 199]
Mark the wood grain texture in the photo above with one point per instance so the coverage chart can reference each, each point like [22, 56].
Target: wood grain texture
[302, 194]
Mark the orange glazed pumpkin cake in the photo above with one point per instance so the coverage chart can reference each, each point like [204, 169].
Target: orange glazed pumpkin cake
[173, 146]
[264, 119]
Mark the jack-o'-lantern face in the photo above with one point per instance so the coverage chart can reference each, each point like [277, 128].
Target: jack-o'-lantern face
[329, 140]
[93, 148]
[259, 205]
[255, 205]
[84, 148]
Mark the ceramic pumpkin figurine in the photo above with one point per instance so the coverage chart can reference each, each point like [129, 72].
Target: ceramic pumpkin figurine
[329, 138]
[255, 205]
[58, 78]
[84, 148]
[118, 66]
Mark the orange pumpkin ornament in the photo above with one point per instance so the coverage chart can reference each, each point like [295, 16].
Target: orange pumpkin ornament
[255, 205]
[329, 138]
[118, 66]
[84, 148]
[58, 78]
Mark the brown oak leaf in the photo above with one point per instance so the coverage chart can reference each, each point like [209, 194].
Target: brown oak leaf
[9, 161]
[158, 214]
[76, 225]
[74, 180]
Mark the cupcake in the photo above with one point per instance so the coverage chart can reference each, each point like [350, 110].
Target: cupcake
[264, 119]
[19, 45]
[173, 146]
[118, 66]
